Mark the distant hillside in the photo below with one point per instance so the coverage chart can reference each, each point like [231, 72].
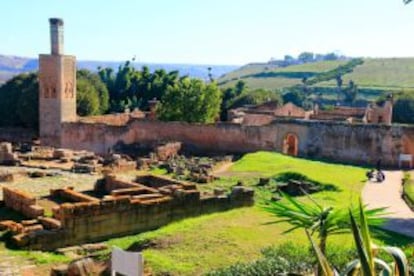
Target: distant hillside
[375, 73]
[12, 65]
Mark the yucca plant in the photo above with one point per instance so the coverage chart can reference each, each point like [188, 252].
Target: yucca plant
[367, 264]
[318, 219]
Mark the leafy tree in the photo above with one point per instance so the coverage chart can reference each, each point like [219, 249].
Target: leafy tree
[330, 56]
[255, 97]
[306, 57]
[19, 98]
[339, 83]
[190, 100]
[92, 95]
[19, 101]
[351, 92]
[295, 96]
[403, 110]
[131, 88]
[28, 104]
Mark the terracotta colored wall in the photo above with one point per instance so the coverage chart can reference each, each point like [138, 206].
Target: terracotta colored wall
[214, 138]
[337, 141]
[290, 110]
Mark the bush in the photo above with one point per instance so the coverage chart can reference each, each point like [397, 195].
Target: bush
[286, 258]
[408, 190]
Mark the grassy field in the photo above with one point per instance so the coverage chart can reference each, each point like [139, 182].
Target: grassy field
[409, 188]
[197, 245]
[378, 73]
[250, 74]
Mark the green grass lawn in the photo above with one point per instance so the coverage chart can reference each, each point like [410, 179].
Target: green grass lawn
[409, 188]
[197, 245]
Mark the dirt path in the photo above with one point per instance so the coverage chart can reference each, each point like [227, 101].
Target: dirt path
[222, 169]
[388, 194]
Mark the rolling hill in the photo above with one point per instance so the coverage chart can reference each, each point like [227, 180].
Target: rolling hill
[385, 74]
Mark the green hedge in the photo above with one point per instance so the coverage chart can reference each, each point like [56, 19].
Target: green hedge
[408, 190]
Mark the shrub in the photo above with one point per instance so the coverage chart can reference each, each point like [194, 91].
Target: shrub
[286, 258]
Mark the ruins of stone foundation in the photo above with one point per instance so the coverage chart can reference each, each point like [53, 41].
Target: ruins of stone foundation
[359, 136]
[116, 208]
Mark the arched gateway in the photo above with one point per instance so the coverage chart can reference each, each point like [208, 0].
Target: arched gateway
[290, 144]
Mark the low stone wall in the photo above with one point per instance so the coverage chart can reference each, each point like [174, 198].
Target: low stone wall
[157, 181]
[111, 183]
[71, 195]
[22, 202]
[114, 216]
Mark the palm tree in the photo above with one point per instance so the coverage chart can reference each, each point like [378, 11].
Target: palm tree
[317, 219]
[368, 263]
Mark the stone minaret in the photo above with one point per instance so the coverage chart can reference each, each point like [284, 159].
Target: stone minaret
[57, 88]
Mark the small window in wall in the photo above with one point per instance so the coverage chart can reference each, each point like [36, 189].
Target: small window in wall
[380, 120]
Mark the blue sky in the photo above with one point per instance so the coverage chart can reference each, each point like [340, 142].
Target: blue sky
[209, 32]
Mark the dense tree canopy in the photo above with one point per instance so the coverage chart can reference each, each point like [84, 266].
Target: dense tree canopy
[19, 98]
[131, 88]
[19, 101]
[255, 97]
[190, 100]
[92, 95]
[403, 111]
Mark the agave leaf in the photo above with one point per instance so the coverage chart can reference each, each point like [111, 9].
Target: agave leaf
[352, 268]
[383, 266]
[401, 263]
[365, 234]
[323, 262]
[366, 267]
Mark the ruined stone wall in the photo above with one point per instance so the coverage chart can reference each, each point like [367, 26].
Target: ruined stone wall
[21, 202]
[336, 141]
[114, 217]
[360, 144]
[223, 137]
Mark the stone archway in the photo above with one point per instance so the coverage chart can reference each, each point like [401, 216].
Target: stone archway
[290, 144]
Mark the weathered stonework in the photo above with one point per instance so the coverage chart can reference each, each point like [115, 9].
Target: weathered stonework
[57, 88]
[127, 208]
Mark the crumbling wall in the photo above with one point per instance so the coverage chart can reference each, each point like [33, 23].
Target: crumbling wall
[362, 144]
[71, 195]
[215, 138]
[22, 202]
[81, 222]
[336, 141]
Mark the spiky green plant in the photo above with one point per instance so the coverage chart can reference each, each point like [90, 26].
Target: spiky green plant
[367, 264]
[316, 218]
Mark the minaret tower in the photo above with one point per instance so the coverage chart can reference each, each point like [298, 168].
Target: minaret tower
[57, 88]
